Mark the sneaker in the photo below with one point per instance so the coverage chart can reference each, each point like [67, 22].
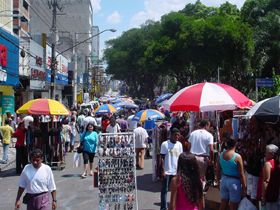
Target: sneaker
[3, 161]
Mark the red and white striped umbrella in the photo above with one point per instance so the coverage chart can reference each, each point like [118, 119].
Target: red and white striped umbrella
[207, 96]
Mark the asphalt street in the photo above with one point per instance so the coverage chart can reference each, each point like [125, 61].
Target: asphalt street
[74, 193]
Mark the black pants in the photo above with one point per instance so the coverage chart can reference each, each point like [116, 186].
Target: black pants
[21, 158]
[87, 156]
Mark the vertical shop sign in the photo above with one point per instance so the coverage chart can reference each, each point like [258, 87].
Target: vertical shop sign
[8, 104]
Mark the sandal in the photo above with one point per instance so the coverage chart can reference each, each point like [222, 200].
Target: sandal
[83, 175]
[91, 173]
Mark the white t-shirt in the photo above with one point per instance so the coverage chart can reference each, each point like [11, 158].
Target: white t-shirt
[131, 124]
[200, 140]
[98, 121]
[115, 129]
[141, 136]
[172, 153]
[88, 120]
[37, 180]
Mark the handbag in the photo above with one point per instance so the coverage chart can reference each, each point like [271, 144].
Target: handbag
[26, 198]
[80, 148]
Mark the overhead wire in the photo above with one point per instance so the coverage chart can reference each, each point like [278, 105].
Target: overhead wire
[58, 21]
[39, 16]
[6, 23]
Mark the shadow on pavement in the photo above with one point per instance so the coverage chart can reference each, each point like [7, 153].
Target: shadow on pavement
[8, 172]
[145, 183]
[157, 204]
[71, 175]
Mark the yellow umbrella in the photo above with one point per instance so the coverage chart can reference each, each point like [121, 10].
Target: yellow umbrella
[43, 106]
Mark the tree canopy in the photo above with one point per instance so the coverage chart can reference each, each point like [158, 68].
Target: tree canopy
[192, 45]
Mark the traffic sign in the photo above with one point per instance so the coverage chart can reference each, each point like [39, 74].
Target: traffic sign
[264, 82]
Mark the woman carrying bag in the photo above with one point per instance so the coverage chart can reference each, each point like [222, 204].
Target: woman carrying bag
[89, 141]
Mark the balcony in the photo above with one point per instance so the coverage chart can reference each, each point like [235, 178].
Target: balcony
[24, 13]
[24, 26]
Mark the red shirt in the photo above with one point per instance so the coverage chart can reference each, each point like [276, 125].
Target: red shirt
[20, 135]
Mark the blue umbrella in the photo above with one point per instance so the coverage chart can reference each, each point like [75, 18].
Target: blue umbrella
[126, 105]
[163, 97]
[118, 108]
[151, 114]
[106, 109]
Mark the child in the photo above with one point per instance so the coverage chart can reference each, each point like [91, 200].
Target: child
[186, 186]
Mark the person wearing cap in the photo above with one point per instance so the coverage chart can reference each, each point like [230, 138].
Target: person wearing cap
[170, 151]
[268, 168]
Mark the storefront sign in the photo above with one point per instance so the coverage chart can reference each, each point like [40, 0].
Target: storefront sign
[3, 55]
[9, 59]
[37, 85]
[61, 67]
[8, 104]
[39, 60]
[38, 75]
[3, 75]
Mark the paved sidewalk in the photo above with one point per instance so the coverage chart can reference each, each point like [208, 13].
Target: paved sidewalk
[11, 156]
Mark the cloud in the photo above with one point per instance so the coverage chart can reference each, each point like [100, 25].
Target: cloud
[96, 5]
[114, 18]
[154, 9]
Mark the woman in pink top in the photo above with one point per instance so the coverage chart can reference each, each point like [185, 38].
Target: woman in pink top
[186, 186]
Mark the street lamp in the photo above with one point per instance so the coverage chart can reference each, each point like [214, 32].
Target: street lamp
[53, 64]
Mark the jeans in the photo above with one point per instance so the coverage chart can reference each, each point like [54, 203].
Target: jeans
[165, 186]
[5, 152]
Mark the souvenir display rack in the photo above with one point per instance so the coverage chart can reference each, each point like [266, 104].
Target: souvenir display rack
[117, 172]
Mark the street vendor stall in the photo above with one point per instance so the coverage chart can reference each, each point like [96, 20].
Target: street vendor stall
[117, 172]
[45, 134]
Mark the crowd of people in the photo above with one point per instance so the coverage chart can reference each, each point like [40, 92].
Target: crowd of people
[187, 155]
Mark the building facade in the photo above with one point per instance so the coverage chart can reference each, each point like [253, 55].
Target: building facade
[74, 26]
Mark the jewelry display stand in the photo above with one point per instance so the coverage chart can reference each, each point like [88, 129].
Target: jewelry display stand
[117, 171]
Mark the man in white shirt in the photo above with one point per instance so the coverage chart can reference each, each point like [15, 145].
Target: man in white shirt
[38, 180]
[141, 138]
[170, 151]
[201, 144]
[113, 127]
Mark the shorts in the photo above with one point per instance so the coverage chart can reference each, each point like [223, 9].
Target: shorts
[230, 189]
[252, 184]
[87, 156]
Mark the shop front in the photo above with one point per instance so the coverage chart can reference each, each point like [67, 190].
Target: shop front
[61, 76]
[9, 73]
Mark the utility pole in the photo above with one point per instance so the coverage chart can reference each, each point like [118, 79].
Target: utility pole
[54, 5]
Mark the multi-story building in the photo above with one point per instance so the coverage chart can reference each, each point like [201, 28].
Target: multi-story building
[21, 18]
[74, 25]
[9, 55]
[6, 18]
[95, 46]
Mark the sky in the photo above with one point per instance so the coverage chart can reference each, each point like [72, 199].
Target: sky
[123, 15]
